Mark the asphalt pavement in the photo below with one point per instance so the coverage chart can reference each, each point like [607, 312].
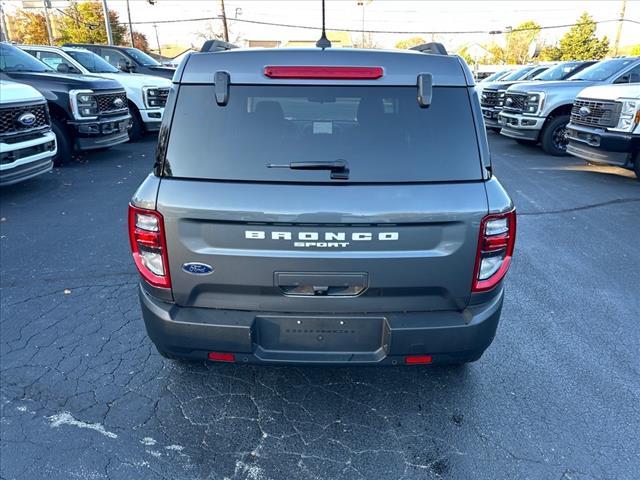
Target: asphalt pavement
[84, 394]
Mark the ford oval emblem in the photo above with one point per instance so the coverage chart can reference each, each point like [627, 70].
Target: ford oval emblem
[196, 268]
[118, 103]
[584, 112]
[27, 119]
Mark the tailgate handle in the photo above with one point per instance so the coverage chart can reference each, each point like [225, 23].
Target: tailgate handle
[321, 285]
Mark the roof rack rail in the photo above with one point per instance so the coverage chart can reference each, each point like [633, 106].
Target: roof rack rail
[431, 47]
[216, 46]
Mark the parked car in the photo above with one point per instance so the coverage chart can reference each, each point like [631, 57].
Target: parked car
[86, 112]
[541, 111]
[362, 225]
[494, 77]
[27, 144]
[605, 126]
[492, 93]
[147, 94]
[128, 59]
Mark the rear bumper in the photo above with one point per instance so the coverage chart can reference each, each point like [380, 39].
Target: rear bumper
[448, 336]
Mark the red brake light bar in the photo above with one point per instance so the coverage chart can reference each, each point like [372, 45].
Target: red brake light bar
[324, 73]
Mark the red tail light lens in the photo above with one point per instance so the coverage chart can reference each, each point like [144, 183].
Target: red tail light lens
[495, 249]
[149, 247]
[324, 73]
[418, 359]
[221, 357]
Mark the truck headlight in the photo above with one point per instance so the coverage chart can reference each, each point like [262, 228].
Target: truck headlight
[155, 97]
[533, 103]
[83, 104]
[629, 114]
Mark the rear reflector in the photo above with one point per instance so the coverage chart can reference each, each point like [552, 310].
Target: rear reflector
[222, 357]
[326, 73]
[416, 359]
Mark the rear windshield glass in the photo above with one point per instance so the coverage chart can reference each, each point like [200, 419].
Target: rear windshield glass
[381, 133]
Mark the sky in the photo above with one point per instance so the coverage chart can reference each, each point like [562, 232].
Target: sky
[398, 15]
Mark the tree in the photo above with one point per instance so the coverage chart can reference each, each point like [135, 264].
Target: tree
[140, 40]
[407, 43]
[29, 27]
[365, 41]
[519, 41]
[84, 23]
[581, 43]
[635, 50]
[550, 53]
[464, 53]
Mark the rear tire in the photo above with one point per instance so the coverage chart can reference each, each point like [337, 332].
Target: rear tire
[523, 141]
[63, 141]
[553, 138]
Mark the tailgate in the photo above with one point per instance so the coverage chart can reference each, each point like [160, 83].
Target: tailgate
[322, 248]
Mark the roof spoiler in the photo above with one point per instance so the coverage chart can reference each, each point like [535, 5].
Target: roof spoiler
[431, 47]
[216, 46]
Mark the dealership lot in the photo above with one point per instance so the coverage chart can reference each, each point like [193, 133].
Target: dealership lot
[85, 394]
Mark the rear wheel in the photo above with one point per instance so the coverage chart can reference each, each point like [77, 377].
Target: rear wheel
[554, 136]
[63, 141]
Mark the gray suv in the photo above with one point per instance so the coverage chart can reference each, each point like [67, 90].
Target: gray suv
[326, 206]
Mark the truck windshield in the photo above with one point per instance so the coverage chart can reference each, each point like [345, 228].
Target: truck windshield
[517, 75]
[92, 62]
[559, 72]
[603, 70]
[381, 133]
[13, 59]
[142, 58]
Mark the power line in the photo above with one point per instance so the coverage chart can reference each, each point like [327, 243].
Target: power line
[351, 30]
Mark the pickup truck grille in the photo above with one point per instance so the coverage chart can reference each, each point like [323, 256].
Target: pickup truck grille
[10, 125]
[108, 102]
[514, 102]
[490, 98]
[163, 94]
[595, 113]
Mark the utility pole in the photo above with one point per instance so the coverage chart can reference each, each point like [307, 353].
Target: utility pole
[47, 4]
[619, 31]
[361, 4]
[133, 43]
[107, 23]
[4, 34]
[224, 22]
[155, 26]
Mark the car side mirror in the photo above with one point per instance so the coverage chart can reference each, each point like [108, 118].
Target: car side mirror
[126, 66]
[63, 68]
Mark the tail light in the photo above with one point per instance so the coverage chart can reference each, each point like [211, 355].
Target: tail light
[149, 247]
[495, 249]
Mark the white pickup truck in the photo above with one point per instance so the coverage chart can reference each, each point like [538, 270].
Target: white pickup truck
[147, 94]
[605, 126]
[27, 144]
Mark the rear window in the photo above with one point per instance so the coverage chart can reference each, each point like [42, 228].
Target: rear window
[380, 132]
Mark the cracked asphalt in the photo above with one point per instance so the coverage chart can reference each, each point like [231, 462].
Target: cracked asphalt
[84, 395]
